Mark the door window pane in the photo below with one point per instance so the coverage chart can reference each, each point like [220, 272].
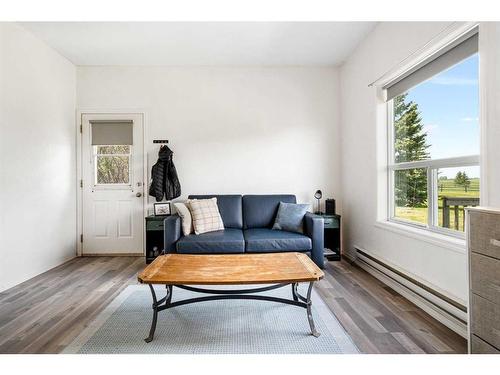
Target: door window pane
[120, 149]
[457, 188]
[113, 169]
[112, 164]
[410, 195]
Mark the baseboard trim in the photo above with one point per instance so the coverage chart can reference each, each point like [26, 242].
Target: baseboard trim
[114, 255]
[450, 313]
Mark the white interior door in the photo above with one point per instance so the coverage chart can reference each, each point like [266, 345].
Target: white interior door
[113, 185]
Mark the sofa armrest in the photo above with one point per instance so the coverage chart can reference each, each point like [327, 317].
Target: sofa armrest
[314, 229]
[171, 232]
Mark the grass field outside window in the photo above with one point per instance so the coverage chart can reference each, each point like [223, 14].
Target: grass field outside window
[446, 188]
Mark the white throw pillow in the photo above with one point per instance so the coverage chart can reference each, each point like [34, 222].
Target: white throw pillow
[186, 219]
[206, 215]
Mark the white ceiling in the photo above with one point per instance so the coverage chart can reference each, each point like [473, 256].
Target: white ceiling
[202, 43]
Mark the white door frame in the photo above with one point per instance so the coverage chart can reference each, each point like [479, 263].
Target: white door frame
[79, 170]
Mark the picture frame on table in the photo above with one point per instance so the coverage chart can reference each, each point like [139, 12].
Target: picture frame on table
[162, 209]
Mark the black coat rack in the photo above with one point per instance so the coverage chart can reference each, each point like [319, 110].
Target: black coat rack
[162, 141]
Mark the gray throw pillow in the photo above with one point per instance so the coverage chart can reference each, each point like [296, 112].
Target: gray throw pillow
[290, 217]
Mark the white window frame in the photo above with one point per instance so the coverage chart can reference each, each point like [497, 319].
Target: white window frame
[432, 166]
[98, 186]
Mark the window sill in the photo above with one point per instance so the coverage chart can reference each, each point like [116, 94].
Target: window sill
[449, 242]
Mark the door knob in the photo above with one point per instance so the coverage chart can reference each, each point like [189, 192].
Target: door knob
[138, 195]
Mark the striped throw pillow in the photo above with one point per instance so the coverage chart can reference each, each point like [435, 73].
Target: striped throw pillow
[206, 215]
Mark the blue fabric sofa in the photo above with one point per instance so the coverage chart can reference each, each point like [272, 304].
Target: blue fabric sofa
[248, 220]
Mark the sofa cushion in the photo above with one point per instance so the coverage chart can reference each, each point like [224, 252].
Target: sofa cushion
[219, 242]
[230, 208]
[261, 240]
[259, 211]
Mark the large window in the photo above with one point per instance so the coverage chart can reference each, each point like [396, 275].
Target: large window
[434, 141]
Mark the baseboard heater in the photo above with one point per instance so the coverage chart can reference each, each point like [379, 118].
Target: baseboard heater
[442, 308]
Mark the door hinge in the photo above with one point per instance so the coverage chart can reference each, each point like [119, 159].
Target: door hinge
[81, 128]
[81, 184]
[81, 237]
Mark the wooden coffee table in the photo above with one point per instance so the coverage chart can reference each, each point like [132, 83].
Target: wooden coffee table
[183, 270]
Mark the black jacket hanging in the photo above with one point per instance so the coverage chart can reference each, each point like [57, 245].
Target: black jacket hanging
[164, 180]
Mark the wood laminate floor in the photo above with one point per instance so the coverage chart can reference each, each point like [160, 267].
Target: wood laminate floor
[380, 320]
[46, 313]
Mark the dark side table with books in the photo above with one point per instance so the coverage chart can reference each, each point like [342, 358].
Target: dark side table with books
[333, 243]
[154, 237]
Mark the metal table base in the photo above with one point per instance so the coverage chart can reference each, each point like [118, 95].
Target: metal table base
[166, 302]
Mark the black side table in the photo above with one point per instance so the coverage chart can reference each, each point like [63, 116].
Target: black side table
[154, 237]
[333, 243]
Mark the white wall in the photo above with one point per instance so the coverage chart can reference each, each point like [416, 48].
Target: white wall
[232, 130]
[489, 49]
[37, 157]
[442, 267]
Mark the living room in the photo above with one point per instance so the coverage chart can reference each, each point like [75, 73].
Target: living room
[306, 185]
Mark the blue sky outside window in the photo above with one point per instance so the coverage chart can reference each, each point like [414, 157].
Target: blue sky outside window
[449, 106]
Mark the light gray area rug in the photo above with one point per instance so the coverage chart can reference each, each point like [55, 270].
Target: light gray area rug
[214, 327]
